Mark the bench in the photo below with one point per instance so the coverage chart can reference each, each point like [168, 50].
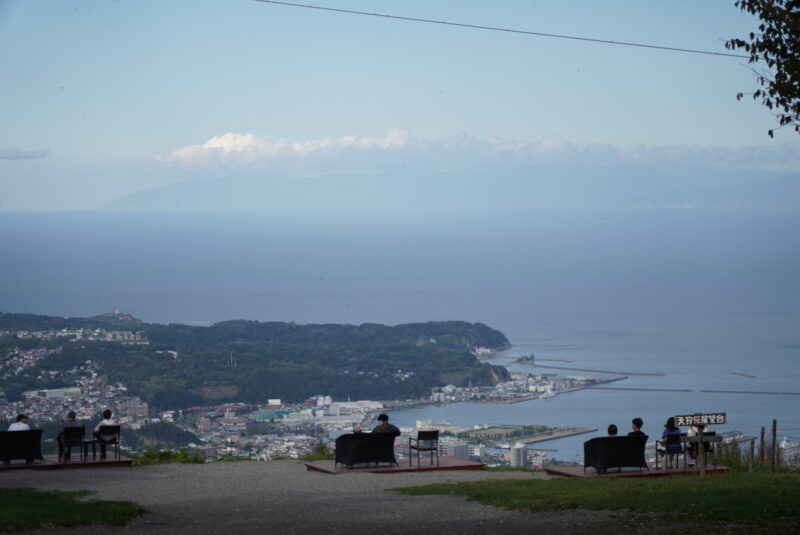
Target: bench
[25, 445]
[360, 448]
[602, 453]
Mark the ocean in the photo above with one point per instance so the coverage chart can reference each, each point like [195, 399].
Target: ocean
[695, 295]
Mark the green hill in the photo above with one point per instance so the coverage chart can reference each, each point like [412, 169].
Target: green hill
[251, 361]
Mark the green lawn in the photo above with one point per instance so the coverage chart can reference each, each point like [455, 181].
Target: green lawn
[744, 503]
[24, 509]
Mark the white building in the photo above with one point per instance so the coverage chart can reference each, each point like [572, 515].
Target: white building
[519, 454]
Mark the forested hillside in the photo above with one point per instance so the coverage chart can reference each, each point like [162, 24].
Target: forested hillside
[251, 361]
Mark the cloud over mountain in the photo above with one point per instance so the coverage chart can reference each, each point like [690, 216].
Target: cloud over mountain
[235, 147]
[248, 152]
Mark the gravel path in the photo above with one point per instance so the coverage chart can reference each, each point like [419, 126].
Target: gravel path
[282, 497]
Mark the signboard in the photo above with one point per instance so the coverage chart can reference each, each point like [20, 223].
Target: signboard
[713, 418]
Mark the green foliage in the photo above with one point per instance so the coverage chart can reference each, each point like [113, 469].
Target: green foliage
[322, 452]
[452, 334]
[28, 509]
[231, 458]
[157, 435]
[282, 360]
[35, 322]
[777, 46]
[760, 502]
[182, 456]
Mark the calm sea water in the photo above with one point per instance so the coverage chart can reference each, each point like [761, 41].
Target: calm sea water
[695, 295]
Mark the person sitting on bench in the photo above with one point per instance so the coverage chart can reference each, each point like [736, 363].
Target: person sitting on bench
[636, 425]
[21, 424]
[384, 426]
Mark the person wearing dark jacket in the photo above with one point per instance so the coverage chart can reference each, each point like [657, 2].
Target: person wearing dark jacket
[384, 426]
[71, 421]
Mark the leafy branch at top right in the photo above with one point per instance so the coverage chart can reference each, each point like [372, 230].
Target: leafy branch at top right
[774, 57]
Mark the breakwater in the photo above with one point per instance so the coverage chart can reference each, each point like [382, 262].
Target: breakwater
[557, 434]
[641, 389]
[751, 392]
[593, 370]
[532, 360]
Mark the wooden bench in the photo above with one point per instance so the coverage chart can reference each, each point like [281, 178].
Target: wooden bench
[25, 445]
[360, 448]
[602, 453]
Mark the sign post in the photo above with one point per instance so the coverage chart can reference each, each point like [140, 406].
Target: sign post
[699, 421]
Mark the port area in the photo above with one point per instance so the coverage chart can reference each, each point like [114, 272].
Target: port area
[519, 398]
[524, 434]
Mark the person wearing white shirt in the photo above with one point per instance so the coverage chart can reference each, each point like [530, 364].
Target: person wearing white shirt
[21, 424]
[107, 420]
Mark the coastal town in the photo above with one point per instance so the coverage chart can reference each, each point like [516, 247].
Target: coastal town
[273, 429]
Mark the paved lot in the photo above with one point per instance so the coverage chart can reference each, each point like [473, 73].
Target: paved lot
[282, 497]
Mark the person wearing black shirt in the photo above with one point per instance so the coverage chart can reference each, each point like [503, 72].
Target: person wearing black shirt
[384, 426]
[637, 424]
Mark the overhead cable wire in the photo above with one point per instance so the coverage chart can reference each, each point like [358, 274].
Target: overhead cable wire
[498, 29]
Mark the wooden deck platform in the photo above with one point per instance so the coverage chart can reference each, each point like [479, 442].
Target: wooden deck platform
[578, 471]
[445, 463]
[51, 463]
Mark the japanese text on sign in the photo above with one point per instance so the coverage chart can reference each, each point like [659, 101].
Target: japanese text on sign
[700, 419]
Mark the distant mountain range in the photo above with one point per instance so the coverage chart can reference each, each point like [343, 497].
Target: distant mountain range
[570, 188]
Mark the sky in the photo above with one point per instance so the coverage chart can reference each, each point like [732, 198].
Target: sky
[102, 98]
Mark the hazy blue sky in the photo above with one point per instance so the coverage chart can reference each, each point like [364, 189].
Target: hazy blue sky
[101, 98]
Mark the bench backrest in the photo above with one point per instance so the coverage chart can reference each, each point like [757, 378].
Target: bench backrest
[21, 444]
[356, 448]
[602, 453]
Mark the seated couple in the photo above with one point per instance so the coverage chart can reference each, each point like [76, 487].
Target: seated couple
[71, 421]
[636, 425]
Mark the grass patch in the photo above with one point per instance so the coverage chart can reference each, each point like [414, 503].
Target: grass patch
[754, 502]
[183, 456]
[232, 458]
[512, 469]
[25, 509]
